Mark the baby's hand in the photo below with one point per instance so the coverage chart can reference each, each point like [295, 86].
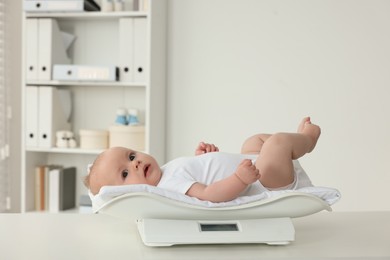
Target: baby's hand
[205, 148]
[247, 172]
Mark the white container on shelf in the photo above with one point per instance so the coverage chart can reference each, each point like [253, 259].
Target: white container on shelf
[130, 136]
[93, 139]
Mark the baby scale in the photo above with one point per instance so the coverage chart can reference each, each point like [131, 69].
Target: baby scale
[166, 221]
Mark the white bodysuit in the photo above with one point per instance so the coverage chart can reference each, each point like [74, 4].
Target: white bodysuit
[180, 174]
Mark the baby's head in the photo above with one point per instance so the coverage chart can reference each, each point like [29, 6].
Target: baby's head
[122, 166]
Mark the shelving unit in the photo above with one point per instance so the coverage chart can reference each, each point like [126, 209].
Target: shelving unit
[94, 104]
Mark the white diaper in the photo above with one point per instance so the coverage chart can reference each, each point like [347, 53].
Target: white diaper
[301, 179]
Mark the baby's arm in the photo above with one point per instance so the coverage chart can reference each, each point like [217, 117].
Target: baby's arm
[205, 148]
[228, 188]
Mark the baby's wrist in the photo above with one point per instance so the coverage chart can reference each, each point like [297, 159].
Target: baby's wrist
[240, 179]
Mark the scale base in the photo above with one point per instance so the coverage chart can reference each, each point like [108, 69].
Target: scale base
[168, 232]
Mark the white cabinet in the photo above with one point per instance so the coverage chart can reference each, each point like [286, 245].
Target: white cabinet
[132, 41]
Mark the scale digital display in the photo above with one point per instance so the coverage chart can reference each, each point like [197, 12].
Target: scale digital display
[212, 227]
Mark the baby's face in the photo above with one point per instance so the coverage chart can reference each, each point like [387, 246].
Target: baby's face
[122, 166]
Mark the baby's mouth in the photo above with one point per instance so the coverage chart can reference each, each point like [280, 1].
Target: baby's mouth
[146, 169]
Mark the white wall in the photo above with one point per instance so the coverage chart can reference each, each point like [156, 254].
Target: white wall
[239, 67]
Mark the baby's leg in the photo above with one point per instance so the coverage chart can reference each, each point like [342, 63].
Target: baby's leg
[278, 151]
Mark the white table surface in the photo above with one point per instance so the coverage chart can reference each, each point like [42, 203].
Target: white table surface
[354, 235]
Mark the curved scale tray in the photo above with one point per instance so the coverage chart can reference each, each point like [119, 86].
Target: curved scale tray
[141, 205]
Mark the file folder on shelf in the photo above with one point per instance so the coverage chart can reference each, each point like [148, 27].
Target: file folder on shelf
[126, 49]
[51, 48]
[44, 47]
[31, 110]
[140, 45]
[32, 49]
[85, 73]
[133, 49]
[60, 5]
[53, 114]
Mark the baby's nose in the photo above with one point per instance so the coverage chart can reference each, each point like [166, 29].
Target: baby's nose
[137, 163]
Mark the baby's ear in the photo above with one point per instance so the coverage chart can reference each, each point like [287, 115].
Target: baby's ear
[89, 166]
[86, 181]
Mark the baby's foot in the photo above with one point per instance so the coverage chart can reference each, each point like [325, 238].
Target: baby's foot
[311, 130]
[302, 124]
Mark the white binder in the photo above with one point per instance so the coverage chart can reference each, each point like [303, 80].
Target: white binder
[54, 6]
[51, 48]
[53, 114]
[32, 49]
[126, 47]
[31, 134]
[85, 73]
[140, 47]
[60, 5]
[133, 49]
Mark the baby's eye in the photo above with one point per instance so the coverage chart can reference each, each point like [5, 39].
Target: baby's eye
[132, 156]
[124, 174]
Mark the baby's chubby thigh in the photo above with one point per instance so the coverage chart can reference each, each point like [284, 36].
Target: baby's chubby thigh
[275, 173]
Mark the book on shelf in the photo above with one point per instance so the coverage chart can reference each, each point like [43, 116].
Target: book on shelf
[62, 191]
[55, 188]
[42, 186]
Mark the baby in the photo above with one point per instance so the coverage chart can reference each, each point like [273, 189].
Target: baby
[266, 162]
